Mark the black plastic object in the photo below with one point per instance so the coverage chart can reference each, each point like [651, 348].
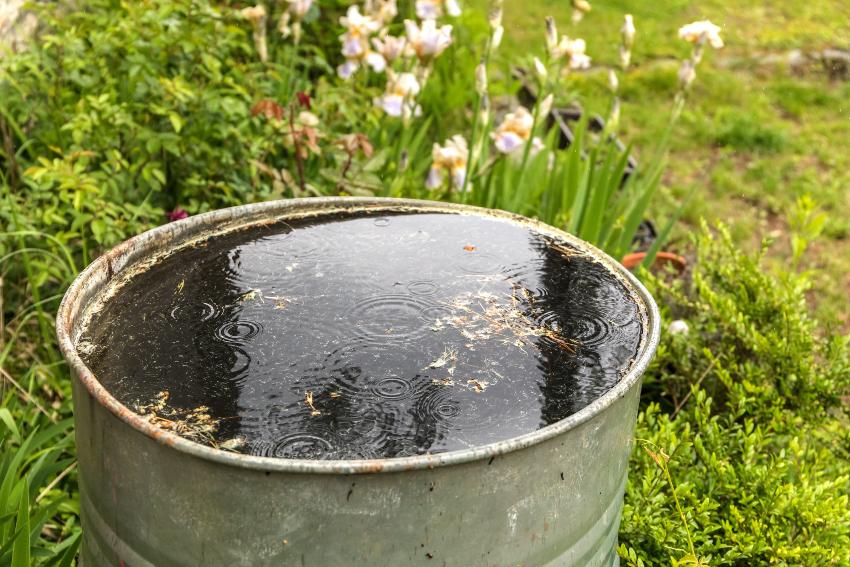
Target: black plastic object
[564, 118]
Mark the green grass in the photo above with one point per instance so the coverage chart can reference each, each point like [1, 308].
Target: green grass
[754, 136]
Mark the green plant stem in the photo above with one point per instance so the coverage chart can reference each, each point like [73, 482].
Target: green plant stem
[42, 317]
[473, 140]
[530, 142]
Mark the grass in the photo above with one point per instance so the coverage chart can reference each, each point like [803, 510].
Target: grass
[754, 136]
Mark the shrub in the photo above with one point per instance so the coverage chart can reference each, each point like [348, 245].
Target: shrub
[748, 407]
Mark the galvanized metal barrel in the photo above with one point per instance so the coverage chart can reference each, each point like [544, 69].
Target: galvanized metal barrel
[552, 497]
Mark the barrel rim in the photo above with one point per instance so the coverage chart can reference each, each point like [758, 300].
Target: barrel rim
[154, 242]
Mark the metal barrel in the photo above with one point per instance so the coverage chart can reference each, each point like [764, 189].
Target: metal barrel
[552, 497]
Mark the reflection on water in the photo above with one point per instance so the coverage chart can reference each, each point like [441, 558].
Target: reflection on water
[364, 337]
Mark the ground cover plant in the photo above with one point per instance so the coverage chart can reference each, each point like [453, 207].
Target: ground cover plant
[123, 116]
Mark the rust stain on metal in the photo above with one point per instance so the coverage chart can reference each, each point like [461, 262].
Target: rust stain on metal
[372, 466]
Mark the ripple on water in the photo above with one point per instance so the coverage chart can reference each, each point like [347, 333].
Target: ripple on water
[196, 311]
[589, 329]
[593, 288]
[238, 332]
[392, 388]
[302, 244]
[434, 312]
[585, 327]
[278, 256]
[422, 287]
[296, 446]
[389, 318]
[524, 272]
[438, 405]
[480, 263]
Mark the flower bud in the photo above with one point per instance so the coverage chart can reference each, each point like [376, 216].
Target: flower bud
[495, 15]
[481, 78]
[540, 69]
[614, 119]
[484, 109]
[546, 106]
[613, 82]
[687, 74]
[496, 40]
[625, 57]
[627, 32]
[582, 6]
[551, 34]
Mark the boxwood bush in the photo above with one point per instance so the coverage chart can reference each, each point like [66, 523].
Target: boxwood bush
[748, 412]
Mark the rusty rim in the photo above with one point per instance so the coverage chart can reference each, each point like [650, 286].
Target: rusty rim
[170, 236]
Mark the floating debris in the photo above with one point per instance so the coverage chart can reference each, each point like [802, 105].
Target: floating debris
[232, 444]
[85, 347]
[308, 399]
[196, 424]
[252, 295]
[565, 251]
[481, 315]
[449, 355]
[280, 302]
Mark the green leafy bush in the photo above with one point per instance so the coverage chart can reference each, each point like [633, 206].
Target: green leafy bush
[747, 406]
[144, 103]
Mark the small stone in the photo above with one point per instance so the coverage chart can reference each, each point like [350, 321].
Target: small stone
[678, 327]
[836, 62]
[796, 59]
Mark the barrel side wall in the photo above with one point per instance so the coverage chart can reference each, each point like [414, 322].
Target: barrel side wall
[556, 503]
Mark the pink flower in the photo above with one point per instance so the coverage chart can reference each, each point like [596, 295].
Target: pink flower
[303, 99]
[177, 214]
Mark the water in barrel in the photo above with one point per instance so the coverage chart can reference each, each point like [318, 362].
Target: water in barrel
[365, 335]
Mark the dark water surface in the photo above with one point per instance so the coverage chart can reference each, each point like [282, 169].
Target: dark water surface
[365, 336]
